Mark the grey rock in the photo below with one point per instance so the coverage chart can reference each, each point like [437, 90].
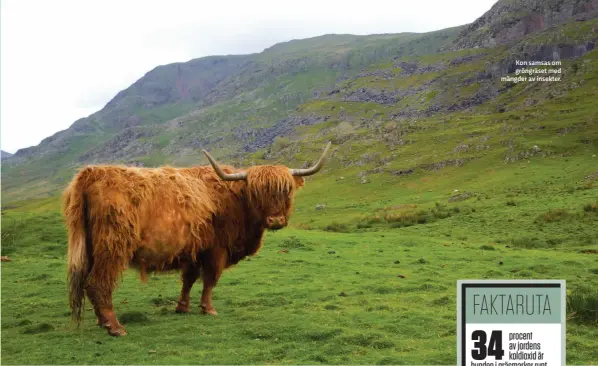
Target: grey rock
[462, 196]
[509, 21]
[264, 137]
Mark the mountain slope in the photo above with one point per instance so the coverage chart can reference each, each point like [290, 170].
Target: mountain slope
[222, 102]
[5, 154]
[377, 91]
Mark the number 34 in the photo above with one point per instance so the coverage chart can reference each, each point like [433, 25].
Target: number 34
[480, 351]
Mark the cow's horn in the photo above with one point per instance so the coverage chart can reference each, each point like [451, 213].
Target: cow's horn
[221, 174]
[314, 169]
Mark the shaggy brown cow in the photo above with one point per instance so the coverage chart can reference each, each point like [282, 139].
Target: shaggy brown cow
[198, 220]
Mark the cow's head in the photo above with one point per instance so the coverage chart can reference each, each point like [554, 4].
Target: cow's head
[271, 188]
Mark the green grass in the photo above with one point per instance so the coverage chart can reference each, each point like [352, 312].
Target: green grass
[327, 290]
[503, 190]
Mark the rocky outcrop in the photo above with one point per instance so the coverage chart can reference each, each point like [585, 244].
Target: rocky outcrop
[509, 21]
[441, 164]
[284, 127]
[547, 52]
[410, 68]
[373, 95]
[129, 143]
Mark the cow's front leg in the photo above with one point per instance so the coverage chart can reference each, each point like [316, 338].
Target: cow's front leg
[190, 274]
[213, 263]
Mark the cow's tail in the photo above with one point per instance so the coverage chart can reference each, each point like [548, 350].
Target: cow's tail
[79, 247]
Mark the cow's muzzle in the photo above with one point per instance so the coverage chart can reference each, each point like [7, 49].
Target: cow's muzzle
[276, 222]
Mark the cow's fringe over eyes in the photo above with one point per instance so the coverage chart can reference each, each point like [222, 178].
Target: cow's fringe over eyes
[271, 187]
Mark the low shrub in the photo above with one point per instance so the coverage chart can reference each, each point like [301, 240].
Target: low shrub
[294, 242]
[553, 215]
[582, 305]
[591, 207]
[336, 227]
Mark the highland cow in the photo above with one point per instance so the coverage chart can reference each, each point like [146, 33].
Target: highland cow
[197, 220]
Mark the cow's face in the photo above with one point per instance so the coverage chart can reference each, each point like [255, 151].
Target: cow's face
[271, 191]
[271, 188]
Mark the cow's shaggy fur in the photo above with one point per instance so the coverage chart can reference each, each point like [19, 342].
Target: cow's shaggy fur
[160, 219]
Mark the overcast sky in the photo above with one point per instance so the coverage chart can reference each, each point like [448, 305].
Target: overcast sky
[62, 60]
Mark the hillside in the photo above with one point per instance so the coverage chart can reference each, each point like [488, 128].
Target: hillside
[237, 102]
[5, 154]
[237, 105]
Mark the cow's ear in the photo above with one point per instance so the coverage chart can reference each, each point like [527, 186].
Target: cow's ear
[299, 182]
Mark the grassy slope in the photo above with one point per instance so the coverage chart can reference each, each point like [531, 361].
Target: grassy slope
[332, 298]
[336, 296]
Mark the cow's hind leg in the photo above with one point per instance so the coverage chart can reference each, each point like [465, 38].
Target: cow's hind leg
[190, 274]
[101, 283]
[213, 262]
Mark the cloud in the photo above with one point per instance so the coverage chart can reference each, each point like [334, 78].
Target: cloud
[63, 60]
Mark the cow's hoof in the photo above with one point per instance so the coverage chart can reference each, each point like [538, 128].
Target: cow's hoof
[181, 309]
[182, 306]
[210, 311]
[118, 332]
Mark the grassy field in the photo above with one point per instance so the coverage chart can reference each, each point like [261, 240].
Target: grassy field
[366, 273]
[370, 279]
